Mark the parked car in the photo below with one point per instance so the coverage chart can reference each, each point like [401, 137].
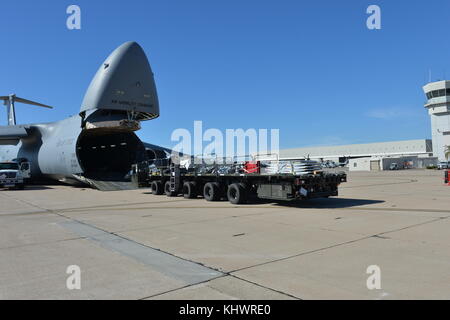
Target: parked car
[329, 164]
[443, 165]
[394, 166]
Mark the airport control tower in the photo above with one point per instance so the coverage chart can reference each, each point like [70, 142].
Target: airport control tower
[438, 105]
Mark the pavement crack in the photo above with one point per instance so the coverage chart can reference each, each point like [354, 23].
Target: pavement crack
[264, 287]
[412, 226]
[301, 254]
[378, 235]
[41, 243]
[180, 288]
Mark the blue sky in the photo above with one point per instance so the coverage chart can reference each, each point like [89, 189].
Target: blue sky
[311, 69]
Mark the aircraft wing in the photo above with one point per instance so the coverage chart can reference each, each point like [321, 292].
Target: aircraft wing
[11, 135]
[157, 151]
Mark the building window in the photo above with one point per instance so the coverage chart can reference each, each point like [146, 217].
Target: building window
[438, 93]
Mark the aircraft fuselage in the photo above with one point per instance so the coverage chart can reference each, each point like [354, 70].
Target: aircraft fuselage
[63, 150]
[99, 142]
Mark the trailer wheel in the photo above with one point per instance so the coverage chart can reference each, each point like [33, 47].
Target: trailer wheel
[167, 190]
[189, 190]
[236, 193]
[211, 191]
[157, 188]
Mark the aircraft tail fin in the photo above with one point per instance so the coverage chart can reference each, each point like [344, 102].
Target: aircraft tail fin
[11, 112]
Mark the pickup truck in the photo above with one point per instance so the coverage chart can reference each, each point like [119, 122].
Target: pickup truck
[14, 175]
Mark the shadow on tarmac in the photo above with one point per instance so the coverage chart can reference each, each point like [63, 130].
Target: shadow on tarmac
[27, 187]
[37, 187]
[319, 203]
[329, 203]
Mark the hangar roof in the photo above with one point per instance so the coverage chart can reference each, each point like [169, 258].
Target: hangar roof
[409, 147]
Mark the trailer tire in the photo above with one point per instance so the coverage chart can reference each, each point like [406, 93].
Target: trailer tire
[167, 190]
[236, 193]
[211, 191]
[157, 188]
[189, 190]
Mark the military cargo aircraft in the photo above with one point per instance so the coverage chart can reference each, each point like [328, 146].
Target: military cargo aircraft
[99, 144]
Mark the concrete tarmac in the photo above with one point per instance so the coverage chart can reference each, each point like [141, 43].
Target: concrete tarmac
[133, 245]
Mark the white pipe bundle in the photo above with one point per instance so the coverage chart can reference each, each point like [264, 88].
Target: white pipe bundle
[298, 167]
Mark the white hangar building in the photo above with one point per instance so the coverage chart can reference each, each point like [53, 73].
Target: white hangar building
[370, 156]
[379, 156]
